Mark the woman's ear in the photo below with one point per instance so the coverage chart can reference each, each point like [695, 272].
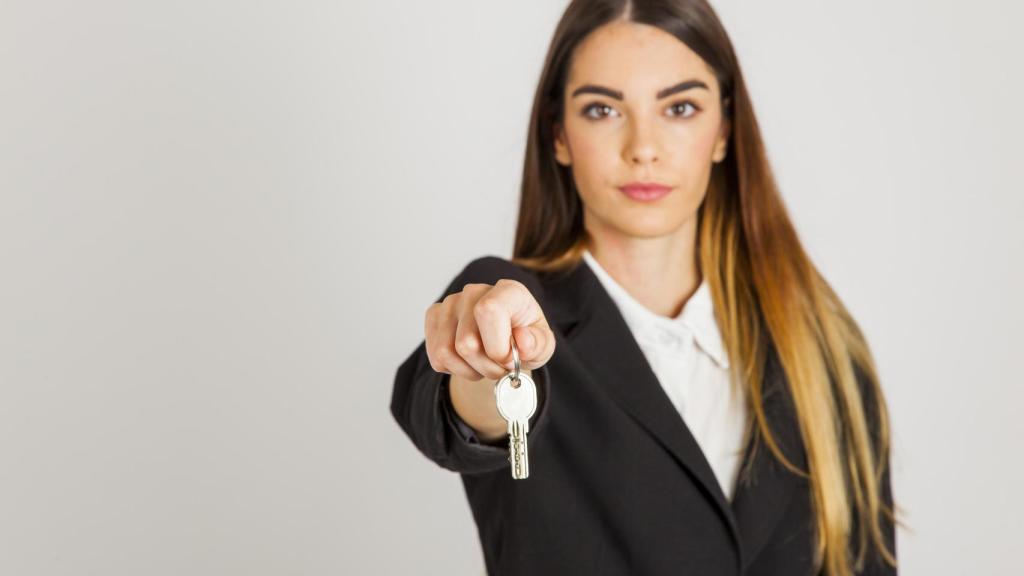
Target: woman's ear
[562, 154]
[722, 144]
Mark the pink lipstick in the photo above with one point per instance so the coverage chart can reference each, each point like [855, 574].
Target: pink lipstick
[645, 191]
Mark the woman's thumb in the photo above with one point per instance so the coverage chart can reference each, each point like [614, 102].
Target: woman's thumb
[526, 342]
[530, 341]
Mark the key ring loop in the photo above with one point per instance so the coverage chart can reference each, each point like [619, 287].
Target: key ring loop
[515, 361]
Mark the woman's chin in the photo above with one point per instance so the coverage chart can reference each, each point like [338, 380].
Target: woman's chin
[649, 227]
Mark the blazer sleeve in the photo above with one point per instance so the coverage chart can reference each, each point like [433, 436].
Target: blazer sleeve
[422, 407]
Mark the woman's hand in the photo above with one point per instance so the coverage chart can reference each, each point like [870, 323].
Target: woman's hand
[467, 336]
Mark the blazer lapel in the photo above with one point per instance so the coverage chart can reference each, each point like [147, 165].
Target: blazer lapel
[762, 496]
[577, 304]
[601, 338]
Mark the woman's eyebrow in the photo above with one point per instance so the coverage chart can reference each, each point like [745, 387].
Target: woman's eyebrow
[617, 94]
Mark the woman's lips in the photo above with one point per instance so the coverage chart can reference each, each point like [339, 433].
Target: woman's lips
[645, 192]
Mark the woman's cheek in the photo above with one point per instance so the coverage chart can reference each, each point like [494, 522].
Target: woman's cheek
[594, 165]
[702, 146]
[586, 153]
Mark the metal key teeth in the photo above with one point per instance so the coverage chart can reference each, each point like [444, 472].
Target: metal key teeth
[517, 453]
[523, 467]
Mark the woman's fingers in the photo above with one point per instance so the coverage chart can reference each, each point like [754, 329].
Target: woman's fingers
[468, 333]
[468, 338]
[441, 324]
[510, 306]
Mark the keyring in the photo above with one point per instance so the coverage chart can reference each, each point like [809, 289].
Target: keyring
[515, 361]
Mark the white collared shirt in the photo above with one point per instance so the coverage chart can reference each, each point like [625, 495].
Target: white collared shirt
[688, 356]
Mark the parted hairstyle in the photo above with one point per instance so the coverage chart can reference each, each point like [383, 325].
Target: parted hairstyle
[760, 277]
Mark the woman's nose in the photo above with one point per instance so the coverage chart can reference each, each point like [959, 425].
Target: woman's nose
[641, 147]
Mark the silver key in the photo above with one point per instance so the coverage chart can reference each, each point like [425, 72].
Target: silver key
[516, 395]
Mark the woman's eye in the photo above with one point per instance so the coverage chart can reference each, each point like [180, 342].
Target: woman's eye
[597, 111]
[684, 103]
[601, 107]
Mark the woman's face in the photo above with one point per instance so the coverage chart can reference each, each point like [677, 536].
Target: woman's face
[620, 126]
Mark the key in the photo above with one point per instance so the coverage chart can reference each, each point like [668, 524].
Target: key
[516, 395]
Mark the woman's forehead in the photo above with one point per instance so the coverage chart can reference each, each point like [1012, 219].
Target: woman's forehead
[629, 57]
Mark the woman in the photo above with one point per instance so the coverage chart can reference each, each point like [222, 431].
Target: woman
[754, 437]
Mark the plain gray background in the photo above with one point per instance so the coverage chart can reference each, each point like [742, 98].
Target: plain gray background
[222, 222]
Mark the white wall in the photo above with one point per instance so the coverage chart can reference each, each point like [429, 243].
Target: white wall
[221, 224]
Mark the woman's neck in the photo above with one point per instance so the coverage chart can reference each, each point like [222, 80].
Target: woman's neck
[660, 273]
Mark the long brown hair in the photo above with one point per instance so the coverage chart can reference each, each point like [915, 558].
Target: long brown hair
[760, 276]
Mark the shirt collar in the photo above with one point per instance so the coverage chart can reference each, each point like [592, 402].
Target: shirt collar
[696, 320]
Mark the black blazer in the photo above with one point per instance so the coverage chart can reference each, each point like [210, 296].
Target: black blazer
[618, 484]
